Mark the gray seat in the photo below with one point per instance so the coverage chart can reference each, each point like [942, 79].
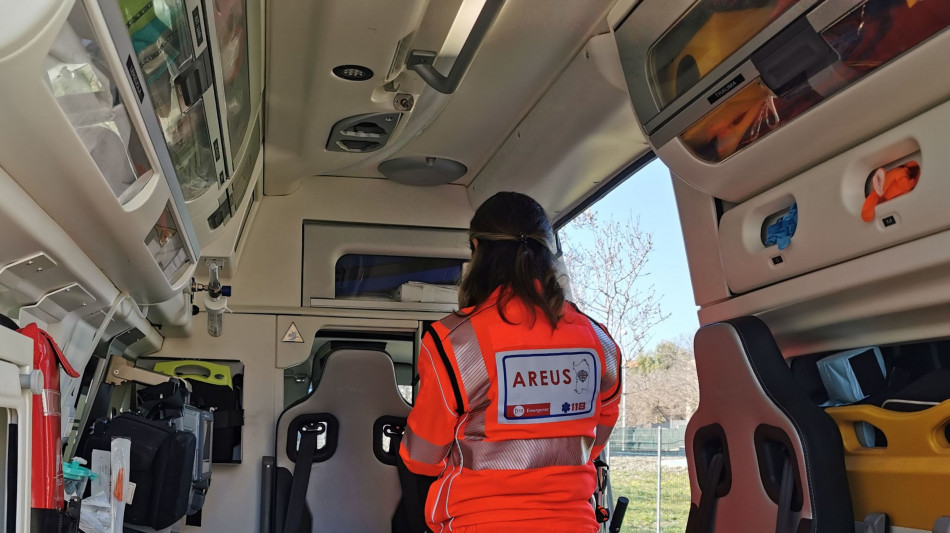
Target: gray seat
[761, 422]
[353, 484]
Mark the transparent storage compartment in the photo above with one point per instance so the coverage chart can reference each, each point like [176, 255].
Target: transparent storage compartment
[85, 90]
[189, 143]
[230, 21]
[703, 38]
[159, 32]
[165, 244]
[868, 37]
[161, 38]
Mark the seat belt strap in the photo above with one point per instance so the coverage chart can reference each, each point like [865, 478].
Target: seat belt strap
[297, 500]
[414, 490]
[707, 502]
[784, 514]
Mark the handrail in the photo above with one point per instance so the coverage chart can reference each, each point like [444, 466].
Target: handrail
[422, 62]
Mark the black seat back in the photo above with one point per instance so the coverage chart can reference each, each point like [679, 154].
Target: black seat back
[760, 421]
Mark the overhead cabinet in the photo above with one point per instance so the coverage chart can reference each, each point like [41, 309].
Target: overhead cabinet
[135, 125]
[723, 86]
[75, 139]
[195, 64]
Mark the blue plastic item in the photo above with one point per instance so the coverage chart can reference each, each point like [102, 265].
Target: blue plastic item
[781, 231]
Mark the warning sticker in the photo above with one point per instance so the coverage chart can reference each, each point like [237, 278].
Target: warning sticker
[546, 386]
[292, 335]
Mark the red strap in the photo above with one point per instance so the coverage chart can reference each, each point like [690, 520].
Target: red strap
[59, 355]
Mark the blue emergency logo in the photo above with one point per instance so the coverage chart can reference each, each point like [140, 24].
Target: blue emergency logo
[565, 407]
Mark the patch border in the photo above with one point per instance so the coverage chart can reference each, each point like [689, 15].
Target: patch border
[502, 396]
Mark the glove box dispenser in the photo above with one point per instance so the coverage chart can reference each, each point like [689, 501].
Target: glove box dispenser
[882, 193]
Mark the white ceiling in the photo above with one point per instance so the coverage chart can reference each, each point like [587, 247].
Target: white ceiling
[526, 54]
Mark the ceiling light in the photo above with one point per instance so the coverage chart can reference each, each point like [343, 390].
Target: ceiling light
[353, 72]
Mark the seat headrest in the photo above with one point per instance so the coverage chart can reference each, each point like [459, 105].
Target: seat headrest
[323, 353]
[357, 372]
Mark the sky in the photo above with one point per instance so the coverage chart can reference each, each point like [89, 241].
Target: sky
[648, 194]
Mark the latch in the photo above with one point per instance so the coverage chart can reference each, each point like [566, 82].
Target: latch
[793, 56]
[195, 79]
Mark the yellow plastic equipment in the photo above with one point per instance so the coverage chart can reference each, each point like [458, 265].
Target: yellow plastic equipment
[217, 374]
[908, 478]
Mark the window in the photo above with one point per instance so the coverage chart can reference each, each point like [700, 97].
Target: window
[626, 262]
[300, 380]
[381, 275]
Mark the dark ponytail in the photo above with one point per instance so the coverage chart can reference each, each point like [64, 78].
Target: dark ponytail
[515, 252]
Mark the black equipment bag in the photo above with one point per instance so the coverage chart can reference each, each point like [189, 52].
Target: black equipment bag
[169, 403]
[162, 464]
[225, 404]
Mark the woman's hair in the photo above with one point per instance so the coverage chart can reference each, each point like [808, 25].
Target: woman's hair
[516, 252]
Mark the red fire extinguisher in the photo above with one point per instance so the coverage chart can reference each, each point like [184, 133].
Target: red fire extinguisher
[47, 472]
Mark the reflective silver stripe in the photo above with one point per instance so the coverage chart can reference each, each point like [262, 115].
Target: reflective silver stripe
[452, 321]
[525, 454]
[603, 435]
[422, 450]
[471, 364]
[475, 425]
[611, 368]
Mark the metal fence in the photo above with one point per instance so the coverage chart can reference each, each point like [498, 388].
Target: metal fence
[643, 440]
[648, 466]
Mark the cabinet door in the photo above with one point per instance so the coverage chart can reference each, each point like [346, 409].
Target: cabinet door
[231, 68]
[85, 88]
[168, 40]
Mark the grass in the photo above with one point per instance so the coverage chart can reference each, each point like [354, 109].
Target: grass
[635, 478]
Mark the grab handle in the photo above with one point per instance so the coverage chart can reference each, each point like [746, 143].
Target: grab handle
[422, 62]
[206, 371]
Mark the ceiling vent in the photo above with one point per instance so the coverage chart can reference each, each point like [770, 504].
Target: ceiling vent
[421, 170]
[362, 133]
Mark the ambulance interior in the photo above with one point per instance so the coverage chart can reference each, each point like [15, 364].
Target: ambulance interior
[271, 200]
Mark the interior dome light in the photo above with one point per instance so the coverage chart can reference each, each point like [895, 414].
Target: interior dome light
[353, 72]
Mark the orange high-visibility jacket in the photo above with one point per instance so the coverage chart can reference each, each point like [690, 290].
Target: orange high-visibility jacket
[509, 418]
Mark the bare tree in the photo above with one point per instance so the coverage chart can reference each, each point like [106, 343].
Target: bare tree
[606, 261]
[662, 384]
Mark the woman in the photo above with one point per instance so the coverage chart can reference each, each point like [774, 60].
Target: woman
[518, 390]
